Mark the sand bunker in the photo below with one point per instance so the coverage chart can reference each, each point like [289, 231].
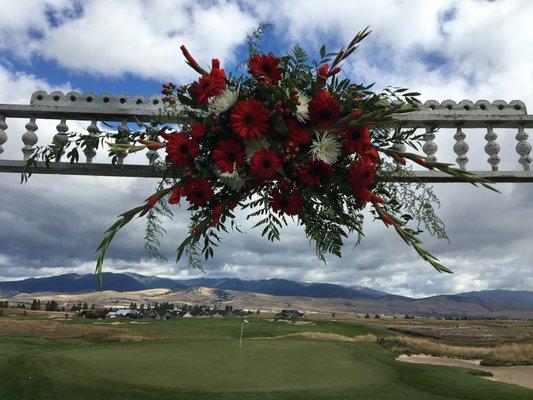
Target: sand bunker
[516, 375]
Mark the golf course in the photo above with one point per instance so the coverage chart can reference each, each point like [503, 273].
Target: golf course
[200, 359]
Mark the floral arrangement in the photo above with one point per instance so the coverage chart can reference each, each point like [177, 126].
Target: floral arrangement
[287, 139]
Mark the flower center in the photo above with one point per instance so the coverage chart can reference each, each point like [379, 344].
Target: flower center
[184, 149]
[325, 114]
[199, 194]
[231, 157]
[248, 119]
[267, 164]
[316, 169]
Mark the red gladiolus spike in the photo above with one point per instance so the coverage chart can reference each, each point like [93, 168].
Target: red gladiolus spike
[399, 159]
[152, 200]
[215, 63]
[420, 161]
[356, 114]
[334, 71]
[388, 219]
[377, 199]
[192, 62]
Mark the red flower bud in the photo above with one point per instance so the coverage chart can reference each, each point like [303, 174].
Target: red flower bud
[322, 72]
[388, 219]
[399, 159]
[356, 114]
[152, 201]
[175, 195]
[192, 62]
[334, 71]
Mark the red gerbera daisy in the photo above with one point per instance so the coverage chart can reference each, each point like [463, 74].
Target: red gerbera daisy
[313, 171]
[228, 154]
[197, 130]
[249, 119]
[356, 140]
[180, 149]
[296, 135]
[198, 191]
[264, 164]
[289, 203]
[323, 109]
[362, 173]
[265, 66]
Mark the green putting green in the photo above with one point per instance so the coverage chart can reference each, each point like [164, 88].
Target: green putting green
[32, 368]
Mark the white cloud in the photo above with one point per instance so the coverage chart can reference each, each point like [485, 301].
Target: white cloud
[484, 46]
[114, 37]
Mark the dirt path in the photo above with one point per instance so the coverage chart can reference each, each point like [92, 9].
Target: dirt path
[519, 375]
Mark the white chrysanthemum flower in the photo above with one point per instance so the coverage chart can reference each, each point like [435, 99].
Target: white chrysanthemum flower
[252, 146]
[302, 112]
[223, 102]
[326, 147]
[232, 180]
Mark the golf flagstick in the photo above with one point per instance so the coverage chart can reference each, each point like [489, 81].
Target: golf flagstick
[244, 321]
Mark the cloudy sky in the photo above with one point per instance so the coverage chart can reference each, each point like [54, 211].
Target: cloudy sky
[444, 49]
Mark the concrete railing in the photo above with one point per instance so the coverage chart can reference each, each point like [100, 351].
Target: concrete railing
[123, 109]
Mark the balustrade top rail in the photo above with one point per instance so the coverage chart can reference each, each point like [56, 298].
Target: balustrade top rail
[124, 109]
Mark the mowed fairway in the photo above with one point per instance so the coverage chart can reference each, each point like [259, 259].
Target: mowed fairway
[206, 363]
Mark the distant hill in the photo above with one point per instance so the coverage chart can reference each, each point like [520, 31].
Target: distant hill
[76, 283]
[283, 287]
[493, 303]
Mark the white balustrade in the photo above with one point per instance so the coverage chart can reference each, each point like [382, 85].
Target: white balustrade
[61, 137]
[152, 155]
[123, 131]
[431, 116]
[460, 148]
[3, 134]
[430, 146]
[523, 148]
[492, 148]
[29, 139]
[89, 149]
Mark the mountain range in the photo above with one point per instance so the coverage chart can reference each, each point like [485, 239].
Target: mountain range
[487, 303]
[128, 282]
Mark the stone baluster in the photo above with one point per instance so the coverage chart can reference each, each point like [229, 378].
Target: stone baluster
[492, 148]
[3, 134]
[29, 139]
[430, 146]
[460, 148]
[123, 131]
[523, 148]
[92, 143]
[152, 155]
[61, 137]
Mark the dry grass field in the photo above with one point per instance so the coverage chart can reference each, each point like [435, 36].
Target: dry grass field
[461, 332]
[503, 354]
